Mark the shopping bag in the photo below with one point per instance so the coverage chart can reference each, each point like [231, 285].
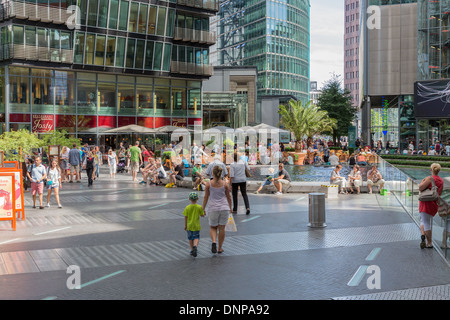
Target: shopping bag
[231, 225]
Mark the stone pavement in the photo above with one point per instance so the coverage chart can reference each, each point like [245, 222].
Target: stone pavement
[129, 243]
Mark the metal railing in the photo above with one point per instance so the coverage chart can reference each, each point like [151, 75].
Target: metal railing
[191, 68]
[35, 53]
[192, 35]
[204, 4]
[406, 190]
[35, 12]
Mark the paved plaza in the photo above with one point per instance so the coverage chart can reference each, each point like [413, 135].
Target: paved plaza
[129, 242]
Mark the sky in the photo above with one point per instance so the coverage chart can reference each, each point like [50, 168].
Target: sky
[327, 39]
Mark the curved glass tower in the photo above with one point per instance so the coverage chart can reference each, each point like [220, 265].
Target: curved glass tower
[272, 35]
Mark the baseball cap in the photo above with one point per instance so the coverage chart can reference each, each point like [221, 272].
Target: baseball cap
[193, 196]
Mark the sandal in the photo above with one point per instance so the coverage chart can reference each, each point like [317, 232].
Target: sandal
[422, 242]
[221, 251]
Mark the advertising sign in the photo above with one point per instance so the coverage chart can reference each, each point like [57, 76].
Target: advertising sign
[7, 197]
[432, 99]
[42, 123]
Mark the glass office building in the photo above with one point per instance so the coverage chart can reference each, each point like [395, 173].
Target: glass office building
[272, 35]
[118, 62]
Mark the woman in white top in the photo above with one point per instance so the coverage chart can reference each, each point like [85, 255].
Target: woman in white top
[112, 163]
[337, 179]
[354, 179]
[53, 181]
[218, 199]
[238, 180]
[64, 163]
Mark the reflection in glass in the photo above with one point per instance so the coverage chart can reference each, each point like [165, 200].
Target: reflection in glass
[114, 11]
[110, 51]
[130, 53]
[126, 99]
[107, 98]
[86, 97]
[42, 91]
[152, 20]
[64, 92]
[120, 52]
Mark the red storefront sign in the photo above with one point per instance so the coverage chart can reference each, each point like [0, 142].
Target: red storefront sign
[42, 123]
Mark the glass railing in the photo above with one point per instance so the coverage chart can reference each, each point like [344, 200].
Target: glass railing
[406, 190]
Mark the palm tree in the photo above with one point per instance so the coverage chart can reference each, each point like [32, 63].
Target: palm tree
[307, 120]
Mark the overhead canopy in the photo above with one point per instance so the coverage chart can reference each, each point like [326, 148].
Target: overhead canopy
[132, 128]
[168, 129]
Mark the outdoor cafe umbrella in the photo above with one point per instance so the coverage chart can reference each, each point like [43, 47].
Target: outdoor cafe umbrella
[132, 128]
[264, 126]
[169, 129]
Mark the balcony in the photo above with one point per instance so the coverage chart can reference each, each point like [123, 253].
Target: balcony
[34, 12]
[212, 5]
[34, 53]
[192, 35]
[191, 68]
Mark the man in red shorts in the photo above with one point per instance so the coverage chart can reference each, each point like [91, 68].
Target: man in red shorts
[37, 174]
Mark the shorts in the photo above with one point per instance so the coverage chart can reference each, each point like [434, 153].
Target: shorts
[134, 166]
[112, 168]
[426, 220]
[37, 188]
[64, 164]
[218, 218]
[178, 177]
[267, 183]
[53, 186]
[192, 235]
[75, 168]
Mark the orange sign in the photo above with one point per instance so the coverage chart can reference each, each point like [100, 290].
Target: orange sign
[8, 197]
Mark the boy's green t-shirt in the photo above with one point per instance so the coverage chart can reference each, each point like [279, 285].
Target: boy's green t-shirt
[134, 153]
[195, 170]
[193, 213]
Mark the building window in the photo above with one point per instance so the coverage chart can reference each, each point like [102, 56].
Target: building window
[110, 51]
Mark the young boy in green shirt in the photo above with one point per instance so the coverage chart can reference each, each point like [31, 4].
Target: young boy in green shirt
[192, 214]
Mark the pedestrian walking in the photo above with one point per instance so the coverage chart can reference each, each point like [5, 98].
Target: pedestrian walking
[75, 162]
[217, 197]
[192, 214]
[37, 174]
[88, 165]
[54, 182]
[112, 163]
[238, 179]
[64, 163]
[135, 160]
[428, 209]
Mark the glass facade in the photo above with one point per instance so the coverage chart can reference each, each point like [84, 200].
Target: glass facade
[125, 63]
[272, 35]
[433, 39]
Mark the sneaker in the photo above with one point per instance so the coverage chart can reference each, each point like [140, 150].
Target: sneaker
[48, 205]
[278, 193]
[59, 206]
[256, 192]
[214, 248]
[194, 251]
[143, 182]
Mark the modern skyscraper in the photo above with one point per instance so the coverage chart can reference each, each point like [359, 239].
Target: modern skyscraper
[351, 49]
[126, 62]
[272, 35]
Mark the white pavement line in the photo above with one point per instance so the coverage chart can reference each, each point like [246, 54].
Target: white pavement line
[301, 198]
[373, 254]
[56, 230]
[9, 241]
[250, 219]
[357, 277]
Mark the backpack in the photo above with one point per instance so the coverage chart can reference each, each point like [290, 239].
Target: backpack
[90, 163]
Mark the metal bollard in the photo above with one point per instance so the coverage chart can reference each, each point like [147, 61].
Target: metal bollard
[317, 210]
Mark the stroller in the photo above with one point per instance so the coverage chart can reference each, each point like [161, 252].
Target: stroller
[121, 166]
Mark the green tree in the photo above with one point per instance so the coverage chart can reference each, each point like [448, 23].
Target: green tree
[338, 103]
[59, 138]
[12, 141]
[308, 120]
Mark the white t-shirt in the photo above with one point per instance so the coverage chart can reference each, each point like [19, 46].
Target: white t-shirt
[112, 158]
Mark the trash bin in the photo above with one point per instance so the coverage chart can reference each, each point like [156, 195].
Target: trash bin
[317, 210]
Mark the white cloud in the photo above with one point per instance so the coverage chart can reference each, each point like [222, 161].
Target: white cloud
[327, 39]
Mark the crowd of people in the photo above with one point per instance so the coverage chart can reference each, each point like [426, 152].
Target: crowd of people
[220, 182]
